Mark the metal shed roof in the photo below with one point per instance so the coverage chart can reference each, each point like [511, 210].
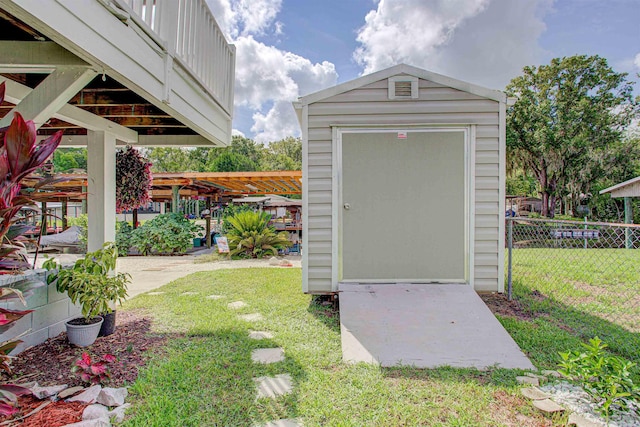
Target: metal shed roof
[629, 188]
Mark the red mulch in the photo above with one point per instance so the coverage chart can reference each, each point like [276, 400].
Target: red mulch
[50, 363]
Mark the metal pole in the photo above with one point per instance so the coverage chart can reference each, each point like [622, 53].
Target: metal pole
[628, 219]
[585, 233]
[510, 249]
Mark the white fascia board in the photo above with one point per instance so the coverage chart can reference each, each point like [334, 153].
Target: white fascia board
[91, 32]
[621, 185]
[35, 56]
[484, 92]
[16, 92]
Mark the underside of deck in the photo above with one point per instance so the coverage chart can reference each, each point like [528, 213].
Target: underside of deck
[423, 325]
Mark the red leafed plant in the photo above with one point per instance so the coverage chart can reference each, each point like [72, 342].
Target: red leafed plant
[93, 372]
[133, 180]
[20, 155]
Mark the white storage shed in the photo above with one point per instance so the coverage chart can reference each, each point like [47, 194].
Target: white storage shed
[403, 182]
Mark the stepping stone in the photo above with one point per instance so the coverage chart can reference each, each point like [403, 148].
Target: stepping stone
[267, 355]
[237, 305]
[155, 293]
[184, 294]
[260, 335]
[214, 296]
[273, 386]
[549, 373]
[70, 392]
[274, 261]
[534, 393]
[580, 421]
[548, 406]
[253, 317]
[288, 422]
[528, 380]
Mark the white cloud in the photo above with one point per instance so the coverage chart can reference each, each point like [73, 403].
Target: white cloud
[636, 61]
[245, 17]
[267, 76]
[268, 79]
[279, 122]
[481, 41]
[237, 132]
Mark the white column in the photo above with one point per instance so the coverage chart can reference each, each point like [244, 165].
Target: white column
[101, 197]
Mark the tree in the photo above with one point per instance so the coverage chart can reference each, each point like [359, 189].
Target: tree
[229, 161]
[285, 154]
[169, 159]
[567, 117]
[65, 159]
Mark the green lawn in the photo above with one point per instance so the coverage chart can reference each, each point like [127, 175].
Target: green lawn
[576, 294]
[204, 376]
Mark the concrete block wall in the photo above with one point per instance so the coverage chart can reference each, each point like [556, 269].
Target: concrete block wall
[51, 310]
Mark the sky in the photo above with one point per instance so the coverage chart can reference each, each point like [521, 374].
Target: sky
[291, 48]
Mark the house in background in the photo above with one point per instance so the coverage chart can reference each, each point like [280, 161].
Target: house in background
[115, 72]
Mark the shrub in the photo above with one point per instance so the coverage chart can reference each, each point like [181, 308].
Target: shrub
[250, 235]
[233, 210]
[606, 378]
[166, 234]
[123, 237]
[93, 371]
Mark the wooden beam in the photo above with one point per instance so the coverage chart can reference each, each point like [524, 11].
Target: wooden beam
[51, 95]
[16, 92]
[35, 56]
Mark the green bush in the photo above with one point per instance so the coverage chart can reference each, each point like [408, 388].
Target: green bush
[607, 379]
[123, 237]
[250, 235]
[233, 210]
[166, 234]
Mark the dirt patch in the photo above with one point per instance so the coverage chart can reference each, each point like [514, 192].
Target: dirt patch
[503, 406]
[50, 363]
[500, 305]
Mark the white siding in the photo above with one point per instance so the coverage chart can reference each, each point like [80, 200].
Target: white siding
[369, 105]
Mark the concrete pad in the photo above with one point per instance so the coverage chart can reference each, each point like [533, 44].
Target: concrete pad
[423, 325]
[287, 422]
[273, 386]
[260, 335]
[236, 305]
[267, 355]
[253, 317]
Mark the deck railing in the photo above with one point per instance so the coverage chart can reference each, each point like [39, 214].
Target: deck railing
[189, 33]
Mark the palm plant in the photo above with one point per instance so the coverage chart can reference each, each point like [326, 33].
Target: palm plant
[249, 234]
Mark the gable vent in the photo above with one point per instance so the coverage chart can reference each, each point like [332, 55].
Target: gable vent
[403, 87]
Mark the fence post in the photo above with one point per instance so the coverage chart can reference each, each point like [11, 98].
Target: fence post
[510, 249]
[628, 219]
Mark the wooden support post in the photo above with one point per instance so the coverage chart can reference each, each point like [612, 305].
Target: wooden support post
[175, 199]
[84, 200]
[208, 222]
[101, 169]
[64, 214]
[135, 218]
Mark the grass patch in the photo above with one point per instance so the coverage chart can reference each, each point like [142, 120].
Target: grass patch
[575, 295]
[206, 378]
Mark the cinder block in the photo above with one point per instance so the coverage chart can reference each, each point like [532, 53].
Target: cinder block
[32, 339]
[57, 328]
[54, 295]
[49, 314]
[16, 328]
[35, 298]
[75, 310]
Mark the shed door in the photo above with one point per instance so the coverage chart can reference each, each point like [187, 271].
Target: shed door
[403, 207]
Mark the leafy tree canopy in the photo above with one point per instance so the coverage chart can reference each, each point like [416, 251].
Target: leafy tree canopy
[567, 123]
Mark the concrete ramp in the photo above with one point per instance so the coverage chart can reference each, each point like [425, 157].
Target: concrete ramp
[423, 325]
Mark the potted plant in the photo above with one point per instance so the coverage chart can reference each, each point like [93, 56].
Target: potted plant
[93, 283]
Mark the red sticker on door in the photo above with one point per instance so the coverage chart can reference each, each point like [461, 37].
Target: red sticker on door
[402, 135]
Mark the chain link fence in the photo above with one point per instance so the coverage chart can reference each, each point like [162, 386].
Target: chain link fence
[590, 270]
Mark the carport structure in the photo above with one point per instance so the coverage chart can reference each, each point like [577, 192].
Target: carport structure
[108, 72]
